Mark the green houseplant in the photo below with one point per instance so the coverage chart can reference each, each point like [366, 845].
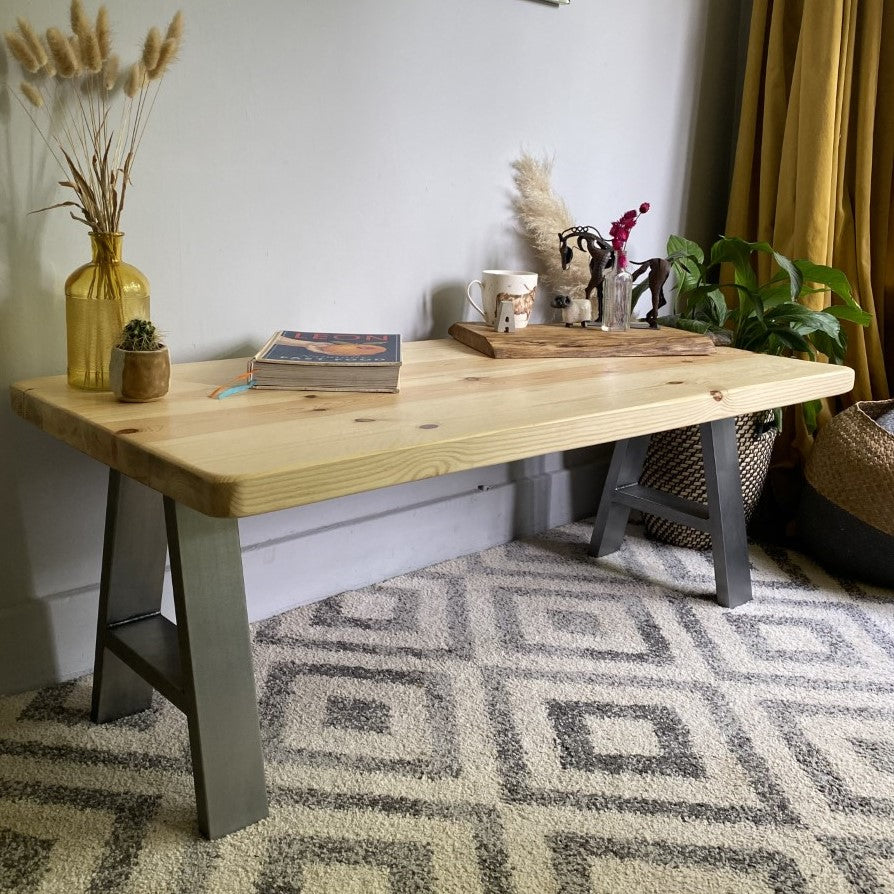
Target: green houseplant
[767, 317]
[140, 365]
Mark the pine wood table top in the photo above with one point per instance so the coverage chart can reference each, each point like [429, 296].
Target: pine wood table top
[260, 451]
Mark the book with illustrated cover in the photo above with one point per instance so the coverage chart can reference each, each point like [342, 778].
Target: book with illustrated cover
[327, 361]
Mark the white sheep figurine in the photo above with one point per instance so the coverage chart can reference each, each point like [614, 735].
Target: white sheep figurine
[574, 310]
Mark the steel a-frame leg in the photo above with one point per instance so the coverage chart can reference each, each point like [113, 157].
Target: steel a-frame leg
[202, 664]
[723, 516]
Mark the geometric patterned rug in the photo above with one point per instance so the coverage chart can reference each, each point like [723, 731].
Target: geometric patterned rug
[527, 719]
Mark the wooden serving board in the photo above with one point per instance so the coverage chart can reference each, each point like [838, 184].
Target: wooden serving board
[560, 341]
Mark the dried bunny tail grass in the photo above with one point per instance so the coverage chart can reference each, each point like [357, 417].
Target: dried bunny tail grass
[151, 49]
[21, 52]
[50, 69]
[90, 51]
[80, 24]
[103, 33]
[110, 72]
[166, 55]
[542, 216]
[88, 43]
[33, 41]
[61, 53]
[34, 96]
[136, 80]
[175, 29]
[75, 46]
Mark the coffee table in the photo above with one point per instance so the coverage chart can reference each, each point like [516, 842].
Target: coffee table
[184, 469]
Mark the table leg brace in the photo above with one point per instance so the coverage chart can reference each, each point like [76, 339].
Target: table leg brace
[723, 516]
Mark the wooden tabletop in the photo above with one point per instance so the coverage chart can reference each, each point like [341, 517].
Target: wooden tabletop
[260, 451]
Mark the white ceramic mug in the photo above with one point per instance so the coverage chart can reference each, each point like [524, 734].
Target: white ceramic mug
[517, 286]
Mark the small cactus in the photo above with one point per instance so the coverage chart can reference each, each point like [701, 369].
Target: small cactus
[140, 335]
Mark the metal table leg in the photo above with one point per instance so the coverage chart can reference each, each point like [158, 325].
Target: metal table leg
[726, 512]
[202, 664]
[723, 516]
[133, 568]
[612, 515]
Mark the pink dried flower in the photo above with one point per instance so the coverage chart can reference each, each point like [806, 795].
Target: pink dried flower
[620, 231]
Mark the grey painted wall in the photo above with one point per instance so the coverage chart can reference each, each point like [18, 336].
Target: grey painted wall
[343, 164]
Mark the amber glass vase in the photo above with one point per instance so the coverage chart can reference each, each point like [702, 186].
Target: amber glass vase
[100, 297]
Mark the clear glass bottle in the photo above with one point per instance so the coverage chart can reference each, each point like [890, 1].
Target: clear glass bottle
[618, 295]
[100, 297]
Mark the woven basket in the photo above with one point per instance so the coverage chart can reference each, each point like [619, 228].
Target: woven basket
[852, 464]
[674, 464]
[846, 512]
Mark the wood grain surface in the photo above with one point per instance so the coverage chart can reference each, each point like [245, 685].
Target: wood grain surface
[551, 340]
[457, 409]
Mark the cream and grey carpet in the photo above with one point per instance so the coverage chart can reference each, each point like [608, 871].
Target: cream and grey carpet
[524, 720]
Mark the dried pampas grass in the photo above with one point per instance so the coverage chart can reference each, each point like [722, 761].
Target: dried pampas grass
[542, 215]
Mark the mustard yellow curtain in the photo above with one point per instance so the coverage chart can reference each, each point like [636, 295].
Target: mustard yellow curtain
[815, 158]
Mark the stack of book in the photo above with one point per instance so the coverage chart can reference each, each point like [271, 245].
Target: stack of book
[327, 361]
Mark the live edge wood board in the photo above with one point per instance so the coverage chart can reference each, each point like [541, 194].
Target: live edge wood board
[547, 340]
[457, 409]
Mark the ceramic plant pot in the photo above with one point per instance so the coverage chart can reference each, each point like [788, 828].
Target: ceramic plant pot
[140, 376]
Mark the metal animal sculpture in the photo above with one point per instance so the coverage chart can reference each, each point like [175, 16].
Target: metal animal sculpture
[600, 258]
[659, 271]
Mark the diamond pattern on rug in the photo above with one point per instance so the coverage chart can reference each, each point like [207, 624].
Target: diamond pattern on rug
[59, 827]
[650, 766]
[532, 620]
[525, 720]
[801, 642]
[844, 750]
[581, 863]
[316, 863]
[338, 715]
[405, 616]
[54, 724]
[645, 739]
[365, 844]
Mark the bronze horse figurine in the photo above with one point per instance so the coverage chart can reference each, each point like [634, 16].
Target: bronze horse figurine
[659, 271]
[601, 257]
